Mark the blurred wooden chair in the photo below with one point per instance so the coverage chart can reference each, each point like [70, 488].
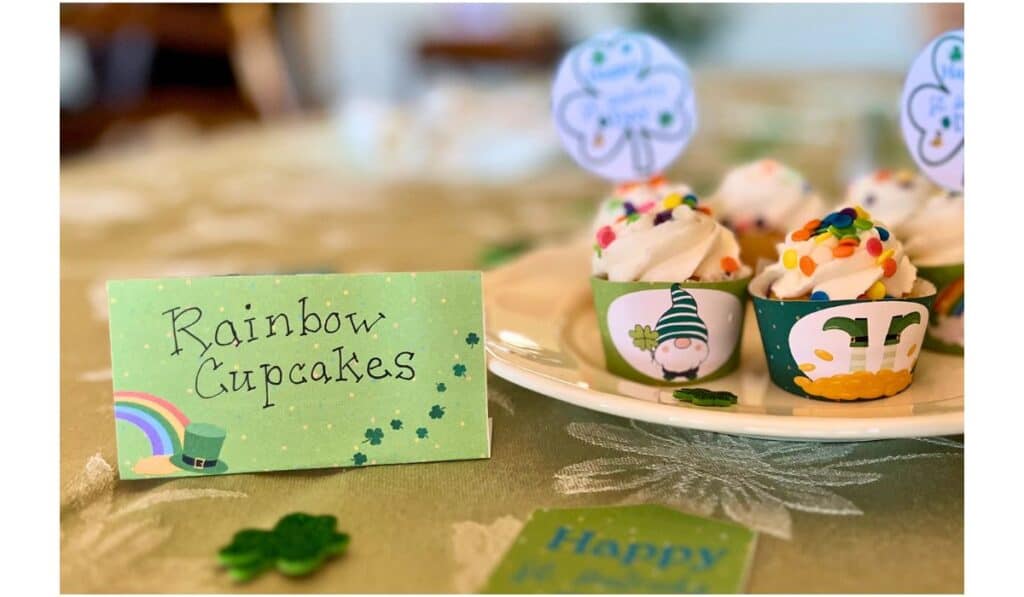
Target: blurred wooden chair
[146, 56]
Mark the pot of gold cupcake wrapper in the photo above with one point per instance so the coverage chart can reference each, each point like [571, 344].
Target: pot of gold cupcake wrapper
[842, 349]
[843, 313]
[946, 325]
[670, 333]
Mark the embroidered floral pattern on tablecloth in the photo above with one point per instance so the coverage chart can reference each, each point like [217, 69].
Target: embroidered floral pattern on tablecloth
[753, 482]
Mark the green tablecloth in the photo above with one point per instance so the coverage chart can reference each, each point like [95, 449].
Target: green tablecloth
[880, 516]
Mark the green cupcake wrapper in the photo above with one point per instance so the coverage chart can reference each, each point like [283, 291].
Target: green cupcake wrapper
[949, 281]
[730, 295]
[776, 320]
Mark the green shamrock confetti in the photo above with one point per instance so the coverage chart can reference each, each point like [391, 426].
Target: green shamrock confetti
[501, 253]
[421, 432]
[459, 369]
[437, 411]
[396, 424]
[704, 397]
[298, 544]
[644, 337]
[359, 459]
[472, 339]
[441, 387]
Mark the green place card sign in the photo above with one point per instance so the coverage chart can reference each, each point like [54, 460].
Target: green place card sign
[239, 374]
[627, 549]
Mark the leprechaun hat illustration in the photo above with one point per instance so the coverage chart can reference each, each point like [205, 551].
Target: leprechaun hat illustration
[200, 452]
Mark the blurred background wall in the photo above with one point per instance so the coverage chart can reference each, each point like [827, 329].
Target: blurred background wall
[138, 73]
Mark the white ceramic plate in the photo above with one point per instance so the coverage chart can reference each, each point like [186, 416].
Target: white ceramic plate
[542, 334]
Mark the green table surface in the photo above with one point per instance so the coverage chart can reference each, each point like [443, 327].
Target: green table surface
[883, 516]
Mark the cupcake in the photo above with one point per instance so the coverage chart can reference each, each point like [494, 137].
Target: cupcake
[760, 201]
[934, 240]
[842, 313]
[669, 289]
[892, 197]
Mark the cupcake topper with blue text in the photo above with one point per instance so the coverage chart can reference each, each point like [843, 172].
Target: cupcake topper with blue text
[932, 110]
[623, 105]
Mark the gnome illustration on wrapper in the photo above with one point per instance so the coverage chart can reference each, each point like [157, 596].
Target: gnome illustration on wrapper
[682, 338]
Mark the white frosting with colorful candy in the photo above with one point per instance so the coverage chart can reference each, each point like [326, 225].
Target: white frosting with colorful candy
[934, 235]
[640, 196]
[845, 255]
[892, 197]
[765, 195]
[670, 240]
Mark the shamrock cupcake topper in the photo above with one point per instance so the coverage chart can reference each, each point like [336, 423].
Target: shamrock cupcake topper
[932, 110]
[623, 105]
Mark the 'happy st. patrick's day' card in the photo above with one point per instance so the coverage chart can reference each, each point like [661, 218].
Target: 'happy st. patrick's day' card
[241, 374]
[624, 549]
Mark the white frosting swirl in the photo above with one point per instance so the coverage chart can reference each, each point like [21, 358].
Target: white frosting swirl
[767, 195]
[935, 233]
[689, 246]
[891, 197]
[841, 277]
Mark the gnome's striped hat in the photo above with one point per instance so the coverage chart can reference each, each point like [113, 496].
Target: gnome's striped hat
[681, 320]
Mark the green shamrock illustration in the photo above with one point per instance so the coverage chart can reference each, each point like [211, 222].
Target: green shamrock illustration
[644, 337]
[298, 544]
[459, 369]
[421, 433]
[359, 459]
[437, 411]
[374, 436]
[441, 387]
[704, 397]
[396, 424]
[472, 339]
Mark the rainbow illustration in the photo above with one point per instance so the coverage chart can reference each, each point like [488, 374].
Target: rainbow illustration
[950, 302]
[162, 422]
